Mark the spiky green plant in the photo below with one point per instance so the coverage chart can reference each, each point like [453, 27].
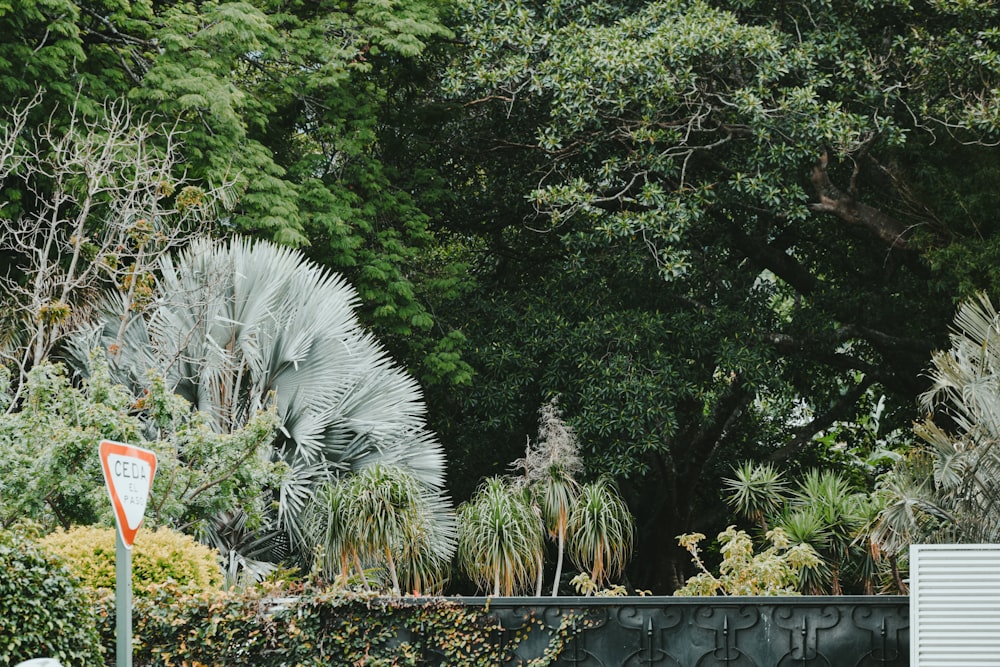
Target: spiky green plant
[238, 326]
[501, 540]
[756, 491]
[805, 526]
[839, 510]
[601, 532]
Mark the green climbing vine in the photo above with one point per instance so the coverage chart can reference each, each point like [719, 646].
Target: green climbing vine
[272, 627]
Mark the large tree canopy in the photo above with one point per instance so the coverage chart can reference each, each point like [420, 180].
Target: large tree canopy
[806, 179]
[282, 102]
[715, 228]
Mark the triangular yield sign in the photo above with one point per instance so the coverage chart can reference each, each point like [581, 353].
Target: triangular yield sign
[128, 472]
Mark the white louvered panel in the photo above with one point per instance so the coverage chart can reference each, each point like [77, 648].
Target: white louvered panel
[955, 605]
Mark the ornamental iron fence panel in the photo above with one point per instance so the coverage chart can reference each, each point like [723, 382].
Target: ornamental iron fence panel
[813, 631]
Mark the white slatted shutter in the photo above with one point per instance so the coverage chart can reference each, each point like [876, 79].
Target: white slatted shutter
[955, 605]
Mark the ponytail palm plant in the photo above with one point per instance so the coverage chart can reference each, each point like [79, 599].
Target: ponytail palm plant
[501, 543]
[239, 326]
[550, 466]
[383, 517]
[601, 532]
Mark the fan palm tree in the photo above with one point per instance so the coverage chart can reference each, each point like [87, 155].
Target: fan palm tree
[239, 326]
[501, 541]
[949, 490]
[601, 531]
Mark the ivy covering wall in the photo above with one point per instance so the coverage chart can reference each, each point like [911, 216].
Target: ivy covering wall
[282, 628]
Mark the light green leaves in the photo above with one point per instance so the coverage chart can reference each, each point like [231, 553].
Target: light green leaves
[772, 571]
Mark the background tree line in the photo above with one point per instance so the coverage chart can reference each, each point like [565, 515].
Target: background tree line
[719, 231]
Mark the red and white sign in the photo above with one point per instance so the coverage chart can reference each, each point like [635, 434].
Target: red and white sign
[128, 472]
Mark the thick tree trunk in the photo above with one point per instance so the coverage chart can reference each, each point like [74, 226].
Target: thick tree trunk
[665, 569]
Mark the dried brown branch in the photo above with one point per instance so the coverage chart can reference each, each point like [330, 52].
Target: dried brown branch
[103, 207]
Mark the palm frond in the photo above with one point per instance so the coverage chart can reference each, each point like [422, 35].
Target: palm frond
[601, 532]
[241, 325]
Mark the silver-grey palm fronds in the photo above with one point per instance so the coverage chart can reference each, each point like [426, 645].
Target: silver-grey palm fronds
[239, 326]
[951, 490]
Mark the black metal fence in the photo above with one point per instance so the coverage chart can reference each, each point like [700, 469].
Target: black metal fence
[704, 632]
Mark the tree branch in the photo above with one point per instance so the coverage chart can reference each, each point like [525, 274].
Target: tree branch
[777, 261]
[840, 411]
[844, 206]
[701, 444]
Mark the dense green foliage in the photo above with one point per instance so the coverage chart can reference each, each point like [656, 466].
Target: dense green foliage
[44, 611]
[719, 230]
[283, 103]
[158, 556]
[715, 229]
[50, 471]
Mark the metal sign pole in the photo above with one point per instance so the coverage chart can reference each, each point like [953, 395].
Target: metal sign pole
[123, 603]
[128, 475]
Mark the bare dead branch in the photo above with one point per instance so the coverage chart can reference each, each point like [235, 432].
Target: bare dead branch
[104, 207]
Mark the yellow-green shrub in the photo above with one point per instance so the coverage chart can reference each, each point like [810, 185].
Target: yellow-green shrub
[158, 556]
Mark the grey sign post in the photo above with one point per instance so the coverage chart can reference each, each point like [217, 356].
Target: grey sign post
[128, 474]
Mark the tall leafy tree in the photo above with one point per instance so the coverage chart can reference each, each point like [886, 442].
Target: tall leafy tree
[284, 102]
[746, 203]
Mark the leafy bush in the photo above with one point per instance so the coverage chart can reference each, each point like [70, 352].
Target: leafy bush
[51, 474]
[773, 571]
[157, 557]
[43, 610]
